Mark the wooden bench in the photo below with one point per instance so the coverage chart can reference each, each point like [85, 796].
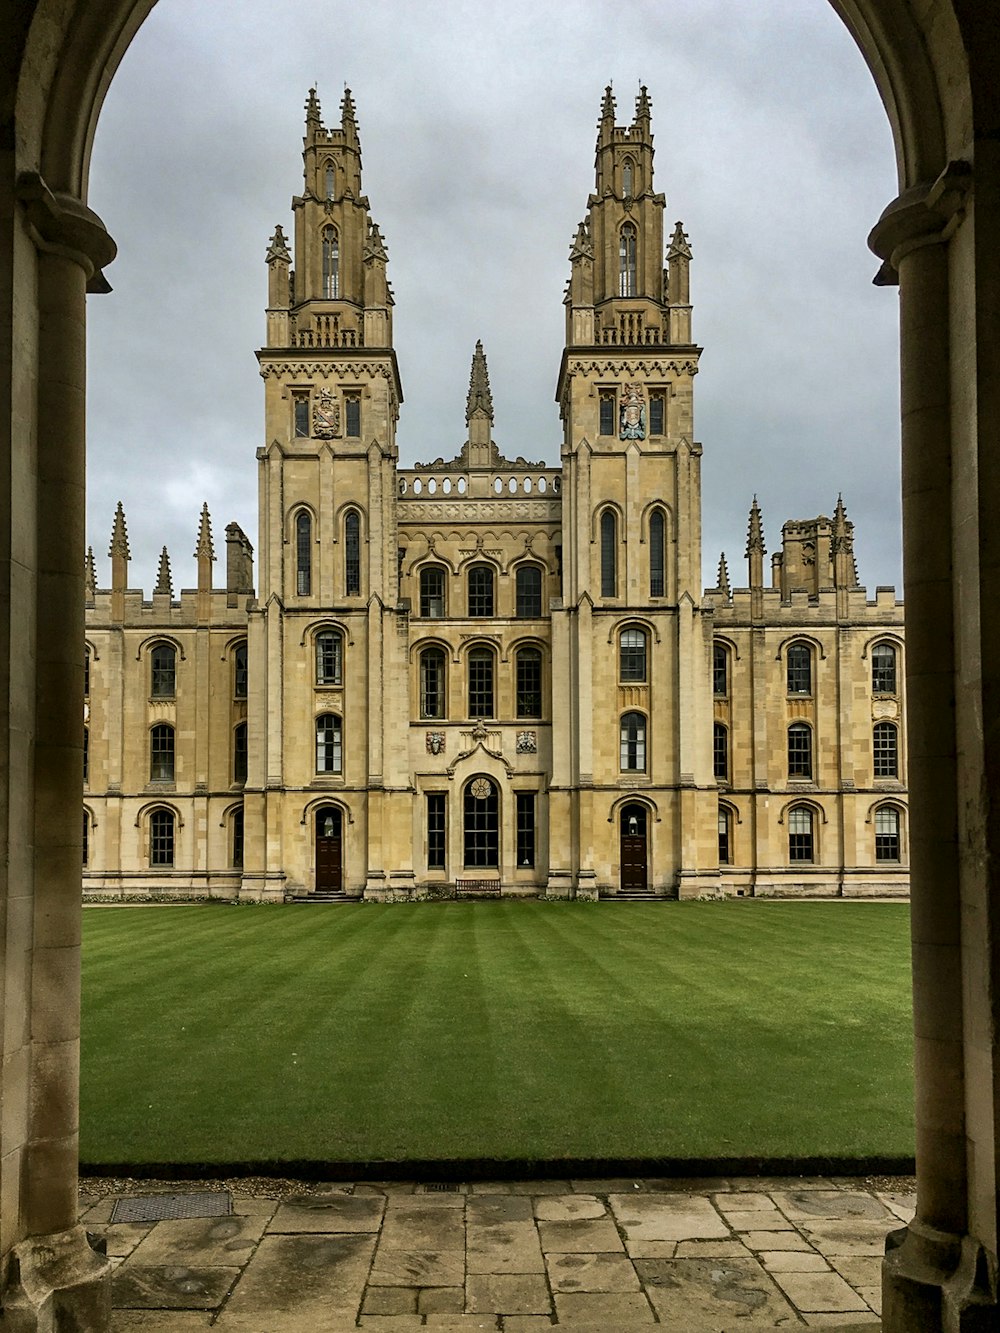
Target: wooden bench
[477, 888]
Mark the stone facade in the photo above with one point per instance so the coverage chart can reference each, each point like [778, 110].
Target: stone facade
[482, 674]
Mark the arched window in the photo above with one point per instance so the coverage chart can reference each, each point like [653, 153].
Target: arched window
[528, 593]
[163, 671]
[240, 678]
[482, 823]
[725, 836]
[161, 753]
[800, 834]
[720, 752]
[480, 590]
[303, 553]
[432, 591]
[86, 837]
[883, 669]
[633, 743]
[236, 838]
[481, 674]
[331, 264]
[240, 752]
[609, 554]
[720, 671]
[352, 553]
[432, 683]
[885, 750]
[626, 260]
[86, 754]
[161, 838]
[887, 833]
[529, 682]
[800, 760]
[798, 665]
[657, 547]
[632, 655]
[329, 658]
[86, 674]
[330, 182]
[329, 744]
[627, 178]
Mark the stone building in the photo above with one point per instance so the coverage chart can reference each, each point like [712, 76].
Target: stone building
[483, 674]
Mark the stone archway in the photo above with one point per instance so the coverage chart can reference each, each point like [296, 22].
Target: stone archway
[934, 66]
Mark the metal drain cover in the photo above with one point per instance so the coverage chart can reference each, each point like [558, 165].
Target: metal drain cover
[161, 1207]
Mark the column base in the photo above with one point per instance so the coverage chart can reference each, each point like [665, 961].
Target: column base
[935, 1282]
[57, 1284]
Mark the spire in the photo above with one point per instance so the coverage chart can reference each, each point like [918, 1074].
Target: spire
[119, 536]
[722, 581]
[205, 548]
[90, 576]
[164, 583]
[480, 399]
[278, 247]
[845, 568]
[314, 118]
[755, 546]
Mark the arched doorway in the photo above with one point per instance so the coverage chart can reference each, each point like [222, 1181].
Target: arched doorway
[329, 849]
[634, 856]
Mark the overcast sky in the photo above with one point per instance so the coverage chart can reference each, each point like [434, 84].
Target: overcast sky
[478, 127]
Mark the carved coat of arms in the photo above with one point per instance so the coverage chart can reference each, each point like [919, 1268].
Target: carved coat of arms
[632, 415]
[326, 415]
[435, 742]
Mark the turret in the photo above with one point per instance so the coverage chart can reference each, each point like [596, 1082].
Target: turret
[678, 286]
[239, 565]
[279, 289]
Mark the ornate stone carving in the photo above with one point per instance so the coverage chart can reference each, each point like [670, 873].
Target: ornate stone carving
[527, 742]
[470, 511]
[654, 368]
[326, 415]
[481, 789]
[435, 742]
[632, 414]
[324, 369]
[885, 708]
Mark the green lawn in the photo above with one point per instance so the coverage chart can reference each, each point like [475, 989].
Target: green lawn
[496, 1030]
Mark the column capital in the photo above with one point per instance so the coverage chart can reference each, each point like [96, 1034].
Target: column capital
[926, 214]
[61, 224]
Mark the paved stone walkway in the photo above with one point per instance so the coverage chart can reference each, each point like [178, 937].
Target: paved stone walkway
[709, 1256]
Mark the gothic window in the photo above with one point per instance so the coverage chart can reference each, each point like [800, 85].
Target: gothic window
[86, 754]
[609, 554]
[480, 591]
[303, 553]
[436, 814]
[240, 671]
[883, 669]
[626, 260]
[330, 180]
[720, 752]
[237, 838]
[482, 823]
[800, 764]
[633, 743]
[86, 837]
[352, 415]
[798, 665]
[656, 413]
[632, 655]
[481, 683]
[329, 744]
[329, 658]
[607, 411]
[331, 264]
[161, 838]
[432, 591]
[525, 829]
[725, 836]
[887, 833]
[800, 834]
[161, 753]
[301, 401]
[528, 591]
[240, 752]
[352, 554]
[86, 674]
[657, 548]
[885, 749]
[627, 178]
[163, 671]
[720, 671]
[432, 678]
[529, 682]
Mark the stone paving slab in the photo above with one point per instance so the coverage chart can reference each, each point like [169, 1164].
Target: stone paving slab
[299, 1282]
[328, 1213]
[172, 1287]
[701, 1293]
[212, 1241]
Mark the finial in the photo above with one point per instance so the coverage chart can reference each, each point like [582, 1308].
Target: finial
[608, 105]
[679, 248]
[205, 545]
[722, 581]
[119, 535]
[755, 532]
[90, 573]
[313, 114]
[480, 398]
[278, 247]
[164, 583]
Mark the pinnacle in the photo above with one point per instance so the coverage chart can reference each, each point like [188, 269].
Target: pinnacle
[642, 105]
[119, 535]
[347, 110]
[277, 246]
[205, 546]
[164, 582]
[722, 581]
[608, 105]
[755, 532]
[480, 398]
[313, 113]
[90, 571]
[679, 247]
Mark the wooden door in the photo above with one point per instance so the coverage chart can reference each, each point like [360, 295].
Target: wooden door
[633, 848]
[329, 857]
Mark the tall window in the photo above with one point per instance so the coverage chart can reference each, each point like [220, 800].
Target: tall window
[720, 752]
[482, 823]
[633, 743]
[432, 591]
[240, 675]
[528, 592]
[240, 752]
[480, 683]
[720, 671]
[525, 829]
[237, 831]
[627, 178]
[329, 658]
[800, 833]
[329, 744]
[626, 260]
[303, 553]
[529, 682]
[887, 833]
[163, 671]
[657, 548]
[86, 837]
[657, 414]
[632, 655]
[480, 590]
[161, 838]
[301, 401]
[86, 754]
[352, 415]
[352, 554]
[330, 180]
[86, 674]
[609, 554]
[161, 753]
[885, 749]
[725, 836]
[432, 667]
[800, 763]
[883, 669]
[436, 830]
[607, 414]
[331, 264]
[798, 664]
